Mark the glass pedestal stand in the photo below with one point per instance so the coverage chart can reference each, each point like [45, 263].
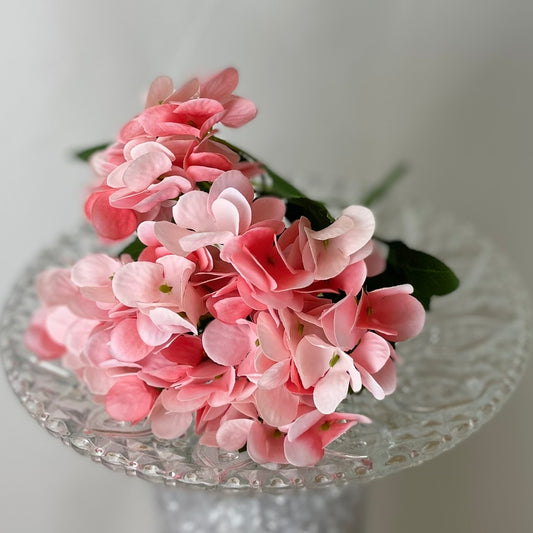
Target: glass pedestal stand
[454, 377]
[338, 509]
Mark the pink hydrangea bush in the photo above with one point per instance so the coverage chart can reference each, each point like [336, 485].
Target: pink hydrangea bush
[249, 326]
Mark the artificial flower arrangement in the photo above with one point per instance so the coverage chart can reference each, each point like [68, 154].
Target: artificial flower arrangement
[239, 305]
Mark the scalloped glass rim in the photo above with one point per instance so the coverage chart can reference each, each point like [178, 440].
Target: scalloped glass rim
[454, 377]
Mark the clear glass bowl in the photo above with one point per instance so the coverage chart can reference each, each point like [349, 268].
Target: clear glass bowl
[454, 377]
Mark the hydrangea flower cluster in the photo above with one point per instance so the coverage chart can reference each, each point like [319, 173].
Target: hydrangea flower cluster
[233, 318]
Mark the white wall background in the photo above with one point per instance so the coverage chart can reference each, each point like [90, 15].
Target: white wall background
[348, 87]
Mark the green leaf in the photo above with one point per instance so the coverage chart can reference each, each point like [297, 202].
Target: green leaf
[375, 194]
[316, 212]
[428, 275]
[85, 154]
[133, 249]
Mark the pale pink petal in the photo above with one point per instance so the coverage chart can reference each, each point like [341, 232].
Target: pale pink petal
[149, 333]
[271, 338]
[277, 407]
[191, 212]
[227, 344]
[138, 282]
[126, 344]
[233, 434]
[363, 228]
[94, 270]
[150, 147]
[231, 212]
[169, 235]
[194, 241]
[276, 375]
[170, 322]
[97, 380]
[187, 403]
[330, 391]
[332, 426]
[38, 340]
[303, 423]
[144, 170]
[167, 425]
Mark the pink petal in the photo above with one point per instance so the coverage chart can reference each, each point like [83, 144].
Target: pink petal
[267, 208]
[97, 380]
[145, 170]
[372, 352]
[271, 338]
[126, 344]
[265, 444]
[276, 375]
[38, 340]
[167, 425]
[239, 111]
[184, 350]
[221, 85]
[110, 222]
[94, 270]
[169, 235]
[149, 333]
[307, 450]
[130, 399]
[191, 212]
[312, 359]
[160, 88]
[233, 179]
[170, 322]
[189, 90]
[197, 111]
[232, 212]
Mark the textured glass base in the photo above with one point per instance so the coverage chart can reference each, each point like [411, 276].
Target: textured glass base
[338, 509]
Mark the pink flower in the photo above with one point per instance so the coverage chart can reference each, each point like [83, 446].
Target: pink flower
[392, 312]
[345, 241]
[228, 210]
[373, 358]
[164, 151]
[312, 432]
[261, 263]
[328, 370]
[266, 444]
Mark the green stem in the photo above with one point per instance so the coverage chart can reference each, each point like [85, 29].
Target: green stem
[280, 186]
[385, 184]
